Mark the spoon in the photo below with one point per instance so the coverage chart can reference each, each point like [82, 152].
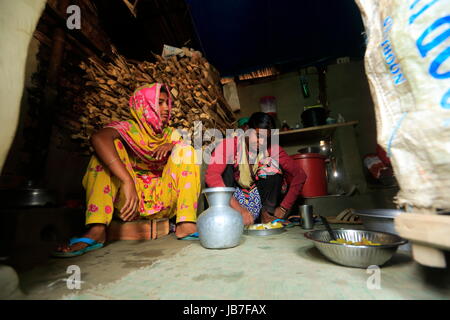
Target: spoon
[325, 222]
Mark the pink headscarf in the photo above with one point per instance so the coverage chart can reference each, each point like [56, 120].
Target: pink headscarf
[145, 132]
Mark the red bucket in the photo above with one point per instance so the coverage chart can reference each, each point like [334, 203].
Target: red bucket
[314, 166]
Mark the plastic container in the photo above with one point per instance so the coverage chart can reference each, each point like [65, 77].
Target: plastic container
[314, 166]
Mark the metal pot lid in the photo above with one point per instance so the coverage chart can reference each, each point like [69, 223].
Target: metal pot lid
[379, 213]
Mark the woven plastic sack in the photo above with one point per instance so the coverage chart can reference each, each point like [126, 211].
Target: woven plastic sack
[408, 70]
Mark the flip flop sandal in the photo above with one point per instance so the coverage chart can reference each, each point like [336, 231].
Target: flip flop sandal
[283, 221]
[295, 220]
[288, 225]
[345, 217]
[192, 236]
[92, 245]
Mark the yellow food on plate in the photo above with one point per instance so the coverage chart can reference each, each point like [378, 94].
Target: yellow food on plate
[276, 225]
[265, 226]
[363, 242]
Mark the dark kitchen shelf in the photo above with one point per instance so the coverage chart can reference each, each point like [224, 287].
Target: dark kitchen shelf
[312, 134]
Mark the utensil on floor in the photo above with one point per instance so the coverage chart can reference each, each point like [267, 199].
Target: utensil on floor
[381, 220]
[306, 212]
[356, 256]
[219, 226]
[266, 232]
[327, 226]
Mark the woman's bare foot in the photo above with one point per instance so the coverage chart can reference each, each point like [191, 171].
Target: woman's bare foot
[96, 232]
[185, 228]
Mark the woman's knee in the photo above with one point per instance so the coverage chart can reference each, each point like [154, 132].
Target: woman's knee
[183, 154]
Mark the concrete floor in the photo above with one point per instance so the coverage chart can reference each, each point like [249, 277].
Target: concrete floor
[285, 266]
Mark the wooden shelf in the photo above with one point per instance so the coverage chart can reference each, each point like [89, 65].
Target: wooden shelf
[311, 134]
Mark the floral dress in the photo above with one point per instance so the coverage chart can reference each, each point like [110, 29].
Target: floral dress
[166, 188]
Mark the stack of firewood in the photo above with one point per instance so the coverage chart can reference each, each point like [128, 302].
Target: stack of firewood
[194, 86]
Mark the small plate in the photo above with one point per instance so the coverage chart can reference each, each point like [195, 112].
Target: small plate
[266, 232]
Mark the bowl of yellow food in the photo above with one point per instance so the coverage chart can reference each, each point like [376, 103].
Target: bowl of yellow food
[356, 248]
[264, 229]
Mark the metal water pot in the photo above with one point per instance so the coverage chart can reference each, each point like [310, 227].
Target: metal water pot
[219, 226]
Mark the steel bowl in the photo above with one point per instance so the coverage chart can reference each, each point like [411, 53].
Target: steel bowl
[356, 256]
[381, 220]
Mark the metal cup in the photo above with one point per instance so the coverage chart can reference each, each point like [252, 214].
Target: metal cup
[306, 212]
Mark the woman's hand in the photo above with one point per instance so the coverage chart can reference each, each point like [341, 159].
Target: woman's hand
[247, 217]
[280, 212]
[162, 151]
[129, 210]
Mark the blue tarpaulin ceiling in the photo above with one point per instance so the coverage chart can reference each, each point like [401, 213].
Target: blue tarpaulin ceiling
[239, 36]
